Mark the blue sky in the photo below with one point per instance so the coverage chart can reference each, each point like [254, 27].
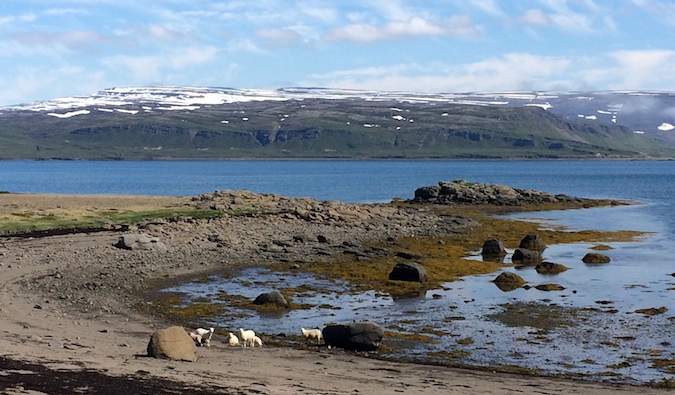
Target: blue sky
[57, 48]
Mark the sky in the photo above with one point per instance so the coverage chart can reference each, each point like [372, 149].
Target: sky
[58, 48]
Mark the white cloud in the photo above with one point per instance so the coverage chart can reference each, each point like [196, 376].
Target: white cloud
[163, 33]
[75, 40]
[641, 68]
[514, 71]
[280, 37]
[536, 17]
[459, 25]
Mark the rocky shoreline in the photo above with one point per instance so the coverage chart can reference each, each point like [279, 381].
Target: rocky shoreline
[88, 278]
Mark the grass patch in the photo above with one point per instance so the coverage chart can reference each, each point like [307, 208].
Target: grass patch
[30, 221]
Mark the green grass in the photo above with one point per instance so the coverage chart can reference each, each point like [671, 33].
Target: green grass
[30, 222]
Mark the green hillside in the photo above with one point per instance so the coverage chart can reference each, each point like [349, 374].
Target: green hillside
[316, 129]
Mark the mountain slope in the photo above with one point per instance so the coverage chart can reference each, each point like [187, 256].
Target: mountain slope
[212, 123]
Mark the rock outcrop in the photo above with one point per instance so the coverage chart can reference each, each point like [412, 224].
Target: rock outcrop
[461, 191]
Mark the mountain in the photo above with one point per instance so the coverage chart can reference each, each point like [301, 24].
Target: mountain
[223, 123]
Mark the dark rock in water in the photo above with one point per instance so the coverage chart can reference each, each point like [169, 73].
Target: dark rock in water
[550, 268]
[533, 242]
[493, 249]
[409, 271]
[358, 336]
[526, 257]
[594, 257]
[508, 281]
[274, 297]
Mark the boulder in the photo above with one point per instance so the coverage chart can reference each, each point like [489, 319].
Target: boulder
[550, 268]
[172, 343]
[594, 257]
[533, 243]
[140, 242]
[357, 336]
[526, 257]
[271, 298]
[508, 281]
[493, 249]
[409, 271]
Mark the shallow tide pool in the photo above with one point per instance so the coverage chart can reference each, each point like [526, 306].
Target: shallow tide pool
[591, 328]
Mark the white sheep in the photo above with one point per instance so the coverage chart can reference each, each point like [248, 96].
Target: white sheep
[256, 342]
[312, 334]
[247, 336]
[203, 339]
[196, 337]
[234, 340]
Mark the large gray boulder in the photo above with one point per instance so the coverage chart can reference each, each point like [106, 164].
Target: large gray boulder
[271, 298]
[140, 242]
[533, 243]
[493, 249]
[172, 343]
[409, 271]
[357, 336]
[526, 257]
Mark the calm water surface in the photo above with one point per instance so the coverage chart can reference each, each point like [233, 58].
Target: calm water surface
[617, 339]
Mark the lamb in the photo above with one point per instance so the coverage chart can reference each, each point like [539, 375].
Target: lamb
[196, 337]
[256, 342]
[312, 334]
[234, 340]
[247, 336]
[203, 340]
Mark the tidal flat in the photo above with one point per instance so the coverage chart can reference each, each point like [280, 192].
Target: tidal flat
[610, 322]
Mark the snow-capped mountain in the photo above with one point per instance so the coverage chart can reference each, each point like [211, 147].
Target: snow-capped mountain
[217, 123]
[640, 111]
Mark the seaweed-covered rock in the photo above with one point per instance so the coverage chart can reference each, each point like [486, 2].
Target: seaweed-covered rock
[550, 268]
[508, 281]
[594, 257]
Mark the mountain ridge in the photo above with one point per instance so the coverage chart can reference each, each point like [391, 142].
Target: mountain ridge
[230, 123]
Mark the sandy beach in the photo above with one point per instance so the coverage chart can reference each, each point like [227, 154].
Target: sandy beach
[63, 335]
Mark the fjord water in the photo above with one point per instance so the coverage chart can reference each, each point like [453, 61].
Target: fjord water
[615, 338]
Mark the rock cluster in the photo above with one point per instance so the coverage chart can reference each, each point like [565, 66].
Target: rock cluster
[255, 228]
[461, 191]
